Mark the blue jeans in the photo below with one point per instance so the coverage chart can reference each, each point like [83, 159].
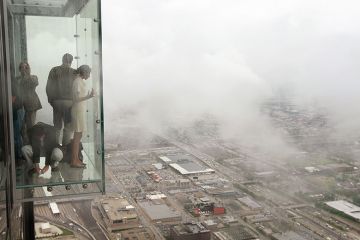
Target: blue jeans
[18, 124]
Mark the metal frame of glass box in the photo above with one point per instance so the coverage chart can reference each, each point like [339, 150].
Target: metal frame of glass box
[14, 47]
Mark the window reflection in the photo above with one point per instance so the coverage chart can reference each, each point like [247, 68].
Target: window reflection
[56, 94]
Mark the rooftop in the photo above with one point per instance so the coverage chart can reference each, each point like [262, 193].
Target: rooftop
[185, 164]
[249, 202]
[158, 212]
[155, 196]
[190, 228]
[118, 209]
[186, 168]
[346, 207]
[288, 235]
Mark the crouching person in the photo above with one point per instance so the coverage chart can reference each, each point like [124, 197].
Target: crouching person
[42, 143]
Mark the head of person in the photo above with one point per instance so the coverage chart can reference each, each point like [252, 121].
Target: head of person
[67, 59]
[24, 68]
[56, 156]
[84, 71]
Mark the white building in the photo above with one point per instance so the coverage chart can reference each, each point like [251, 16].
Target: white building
[45, 228]
[346, 207]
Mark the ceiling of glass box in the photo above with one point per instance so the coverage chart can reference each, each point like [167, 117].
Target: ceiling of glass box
[60, 8]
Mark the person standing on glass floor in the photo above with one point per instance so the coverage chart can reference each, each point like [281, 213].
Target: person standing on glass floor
[59, 93]
[80, 95]
[31, 101]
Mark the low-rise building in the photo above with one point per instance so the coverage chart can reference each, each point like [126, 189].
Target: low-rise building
[287, 235]
[346, 208]
[185, 164]
[54, 208]
[138, 234]
[190, 231]
[250, 203]
[235, 233]
[213, 224]
[118, 214]
[158, 211]
[45, 228]
[229, 220]
[156, 196]
[258, 218]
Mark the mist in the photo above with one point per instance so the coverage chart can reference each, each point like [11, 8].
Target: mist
[170, 62]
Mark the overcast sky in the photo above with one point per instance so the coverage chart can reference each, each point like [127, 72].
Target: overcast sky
[174, 60]
[168, 58]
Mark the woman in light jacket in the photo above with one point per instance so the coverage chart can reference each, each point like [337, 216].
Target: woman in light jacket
[80, 95]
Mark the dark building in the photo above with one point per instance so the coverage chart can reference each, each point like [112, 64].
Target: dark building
[190, 231]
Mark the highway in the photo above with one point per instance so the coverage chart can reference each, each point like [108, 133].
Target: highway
[83, 209]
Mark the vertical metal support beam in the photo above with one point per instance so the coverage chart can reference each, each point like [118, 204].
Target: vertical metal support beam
[98, 20]
[8, 57]
[23, 38]
[6, 117]
[28, 217]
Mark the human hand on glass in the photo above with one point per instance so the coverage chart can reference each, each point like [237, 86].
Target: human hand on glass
[45, 169]
[37, 169]
[91, 93]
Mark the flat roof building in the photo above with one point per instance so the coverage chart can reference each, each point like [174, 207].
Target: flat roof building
[118, 214]
[238, 232]
[45, 227]
[190, 231]
[156, 196]
[138, 234]
[287, 235]
[250, 203]
[54, 208]
[187, 167]
[346, 207]
[159, 212]
[185, 164]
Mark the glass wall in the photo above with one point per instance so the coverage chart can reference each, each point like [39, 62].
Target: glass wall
[55, 53]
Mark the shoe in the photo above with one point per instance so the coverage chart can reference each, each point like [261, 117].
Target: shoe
[55, 169]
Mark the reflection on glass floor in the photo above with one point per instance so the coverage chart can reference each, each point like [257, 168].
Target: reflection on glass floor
[66, 175]
[2, 184]
[2, 174]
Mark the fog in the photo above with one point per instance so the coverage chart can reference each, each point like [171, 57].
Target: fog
[172, 61]
[167, 63]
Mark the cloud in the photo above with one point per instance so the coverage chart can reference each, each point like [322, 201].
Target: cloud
[166, 60]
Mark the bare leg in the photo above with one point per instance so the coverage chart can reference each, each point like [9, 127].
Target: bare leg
[67, 134]
[75, 161]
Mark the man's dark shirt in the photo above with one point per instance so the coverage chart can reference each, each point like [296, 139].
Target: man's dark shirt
[43, 141]
[59, 84]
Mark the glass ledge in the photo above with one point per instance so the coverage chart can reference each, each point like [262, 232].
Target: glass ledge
[66, 175]
[61, 193]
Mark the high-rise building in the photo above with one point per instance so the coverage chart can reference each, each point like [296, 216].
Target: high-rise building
[48, 110]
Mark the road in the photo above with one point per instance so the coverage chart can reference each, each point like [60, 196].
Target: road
[141, 214]
[83, 209]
